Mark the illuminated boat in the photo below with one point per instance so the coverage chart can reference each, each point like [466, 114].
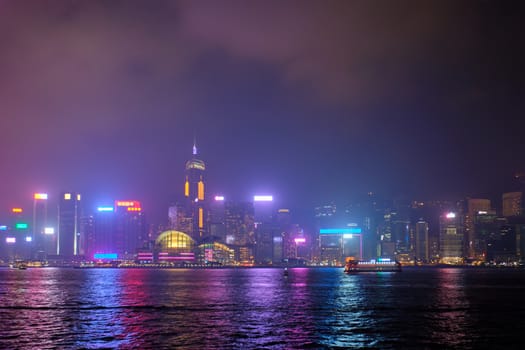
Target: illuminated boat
[374, 265]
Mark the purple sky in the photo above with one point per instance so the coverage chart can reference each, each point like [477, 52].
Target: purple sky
[308, 100]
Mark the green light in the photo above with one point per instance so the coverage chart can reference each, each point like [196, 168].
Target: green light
[21, 226]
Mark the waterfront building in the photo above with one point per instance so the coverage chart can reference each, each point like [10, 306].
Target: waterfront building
[130, 228]
[475, 206]
[102, 240]
[451, 237]
[512, 204]
[68, 229]
[175, 247]
[43, 236]
[240, 230]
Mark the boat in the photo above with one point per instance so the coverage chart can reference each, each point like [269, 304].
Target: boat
[353, 265]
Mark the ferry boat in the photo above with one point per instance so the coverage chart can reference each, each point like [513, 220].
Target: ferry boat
[353, 265]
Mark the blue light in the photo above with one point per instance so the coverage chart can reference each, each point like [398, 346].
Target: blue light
[105, 209]
[107, 256]
[339, 231]
[3, 228]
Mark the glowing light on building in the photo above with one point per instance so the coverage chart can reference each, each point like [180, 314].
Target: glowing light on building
[134, 209]
[219, 198]
[300, 240]
[3, 228]
[283, 211]
[16, 210]
[451, 215]
[49, 230]
[340, 231]
[187, 188]
[21, 226]
[127, 204]
[201, 218]
[78, 197]
[40, 196]
[348, 235]
[10, 240]
[67, 196]
[200, 190]
[29, 239]
[105, 209]
[105, 256]
[263, 198]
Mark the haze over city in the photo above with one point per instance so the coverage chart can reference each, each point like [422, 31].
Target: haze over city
[311, 101]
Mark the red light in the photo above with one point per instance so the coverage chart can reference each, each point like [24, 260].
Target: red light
[127, 204]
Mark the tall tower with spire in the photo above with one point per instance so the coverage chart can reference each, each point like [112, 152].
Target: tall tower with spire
[194, 192]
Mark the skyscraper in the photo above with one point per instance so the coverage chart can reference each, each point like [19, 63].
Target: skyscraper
[512, 203]
[451, 239]
[421, 244]
[475, 205]
[68, 230]
[194, 192]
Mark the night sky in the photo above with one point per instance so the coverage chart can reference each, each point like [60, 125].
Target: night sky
[311, 101]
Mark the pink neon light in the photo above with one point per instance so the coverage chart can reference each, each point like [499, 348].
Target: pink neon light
[219, 198]
[300, 240]
[451, 215]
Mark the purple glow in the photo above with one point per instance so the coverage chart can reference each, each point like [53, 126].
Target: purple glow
[263, 198]
[300, 240]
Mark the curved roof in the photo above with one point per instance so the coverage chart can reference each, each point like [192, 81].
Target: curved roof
[172, 240]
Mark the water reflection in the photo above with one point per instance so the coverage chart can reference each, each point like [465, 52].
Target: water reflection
[452, 321]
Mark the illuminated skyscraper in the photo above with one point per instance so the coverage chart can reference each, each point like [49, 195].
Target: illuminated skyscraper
[68, 230]
[130, 229]
[194, 192]
[451, 239]
[475, 206]
[512, 203]
[44, 242]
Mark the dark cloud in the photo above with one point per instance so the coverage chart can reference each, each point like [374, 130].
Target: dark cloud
[324, 97]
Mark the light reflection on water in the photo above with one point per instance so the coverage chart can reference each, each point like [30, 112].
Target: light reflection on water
[259, 308]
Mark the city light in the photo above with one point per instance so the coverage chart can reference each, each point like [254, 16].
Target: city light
[348, 235]
[107, 256]
[134, 209]
[127, 203]
[105, 209]
[16, 210]
[40, 196]
[21, 226]
[283, 211]
[3, 228]
[49, 230]
[339, 231]
[29, 239]
[264, 198]
[219, 198]
[451, 215]
[10, 240]
[300, 240]
[67, 196]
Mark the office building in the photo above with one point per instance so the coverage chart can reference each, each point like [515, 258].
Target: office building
[68, 229]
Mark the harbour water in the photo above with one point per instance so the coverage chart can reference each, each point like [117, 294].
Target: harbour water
[317, 308]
